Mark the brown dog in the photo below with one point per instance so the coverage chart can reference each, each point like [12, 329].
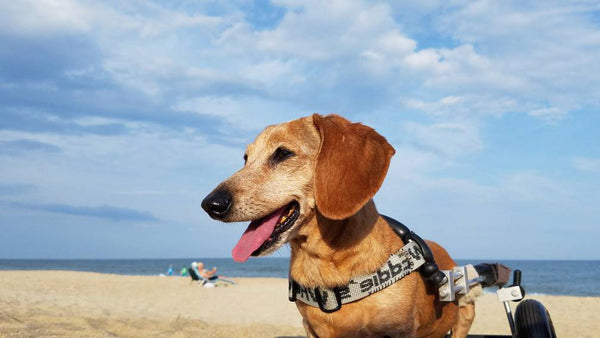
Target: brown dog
[310, 183]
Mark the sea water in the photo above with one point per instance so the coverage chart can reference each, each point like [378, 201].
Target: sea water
[574, 278]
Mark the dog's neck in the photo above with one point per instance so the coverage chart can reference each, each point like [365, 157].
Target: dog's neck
[328, 253]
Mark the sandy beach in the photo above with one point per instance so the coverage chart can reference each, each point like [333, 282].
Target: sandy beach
[82, 304]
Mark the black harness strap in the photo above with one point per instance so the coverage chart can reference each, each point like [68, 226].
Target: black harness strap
[429, 270]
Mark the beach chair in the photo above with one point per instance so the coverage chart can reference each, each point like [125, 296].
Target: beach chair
[195, 277]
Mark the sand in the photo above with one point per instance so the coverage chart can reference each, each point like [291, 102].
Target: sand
[82, 304]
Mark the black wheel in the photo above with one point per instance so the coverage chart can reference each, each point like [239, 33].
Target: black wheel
[532, 320]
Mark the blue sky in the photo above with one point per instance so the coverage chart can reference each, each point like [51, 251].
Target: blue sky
[117, 118]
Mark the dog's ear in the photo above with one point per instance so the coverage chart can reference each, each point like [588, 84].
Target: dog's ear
[352, 163]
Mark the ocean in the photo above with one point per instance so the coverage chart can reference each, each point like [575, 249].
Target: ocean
[572, 278]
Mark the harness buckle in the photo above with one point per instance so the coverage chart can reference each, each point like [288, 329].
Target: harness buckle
[338, 299]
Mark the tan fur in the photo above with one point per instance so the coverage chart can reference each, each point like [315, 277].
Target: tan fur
[337, 168]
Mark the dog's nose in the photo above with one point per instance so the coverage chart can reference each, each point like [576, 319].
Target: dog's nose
[217, 204]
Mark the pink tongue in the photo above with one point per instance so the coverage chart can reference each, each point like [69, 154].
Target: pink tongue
[256, 234]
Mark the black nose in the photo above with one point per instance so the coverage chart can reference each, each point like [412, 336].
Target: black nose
[217, 204]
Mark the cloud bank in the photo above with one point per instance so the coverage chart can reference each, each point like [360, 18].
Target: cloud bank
[123, 107]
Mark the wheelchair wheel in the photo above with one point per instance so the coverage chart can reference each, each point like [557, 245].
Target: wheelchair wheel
[532, 320]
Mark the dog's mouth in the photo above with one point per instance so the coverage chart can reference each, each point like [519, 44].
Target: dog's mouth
[263, 234]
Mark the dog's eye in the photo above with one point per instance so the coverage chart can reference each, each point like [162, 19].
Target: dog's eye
[280, 155]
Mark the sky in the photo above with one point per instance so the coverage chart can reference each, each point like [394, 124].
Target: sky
[118, 117]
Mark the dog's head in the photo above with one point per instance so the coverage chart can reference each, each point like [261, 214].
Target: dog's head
[325, 164]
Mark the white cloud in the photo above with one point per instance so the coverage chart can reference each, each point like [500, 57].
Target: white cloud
[550, 115]
[426, 59]
[242, 113]
[316, 31]
[450, 138]
[475, 220]
[542, 58]
[388, 49]
[547, 52]
[30, 17]
[294, 60]
[445, 106]
[533, 187]
[169, 171]
[276, 74]
[411, 163]
[586, 164]
[427, 75]
[147, 20]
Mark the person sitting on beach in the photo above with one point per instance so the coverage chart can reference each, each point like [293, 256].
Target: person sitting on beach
[208, 278]
[210, 275]
[204, 273]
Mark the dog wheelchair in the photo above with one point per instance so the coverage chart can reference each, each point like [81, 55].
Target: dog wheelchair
[531, 319]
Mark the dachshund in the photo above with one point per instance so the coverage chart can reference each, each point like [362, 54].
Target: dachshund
[310, 182]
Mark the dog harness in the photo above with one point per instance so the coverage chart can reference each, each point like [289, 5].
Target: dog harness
[414, 255]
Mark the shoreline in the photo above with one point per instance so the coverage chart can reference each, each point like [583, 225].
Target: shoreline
[68, 303]
[569, 278]
[162, 275]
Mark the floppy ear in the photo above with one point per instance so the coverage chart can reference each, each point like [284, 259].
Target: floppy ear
[352, 163]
